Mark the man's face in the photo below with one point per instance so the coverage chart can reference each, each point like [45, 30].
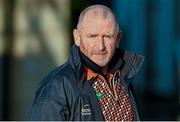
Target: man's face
[97, 39]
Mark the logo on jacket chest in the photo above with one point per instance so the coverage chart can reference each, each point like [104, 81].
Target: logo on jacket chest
[85, 110]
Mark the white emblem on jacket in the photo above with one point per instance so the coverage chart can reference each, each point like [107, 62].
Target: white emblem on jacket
[85, 110]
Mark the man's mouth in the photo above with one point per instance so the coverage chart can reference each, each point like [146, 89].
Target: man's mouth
[101, 53]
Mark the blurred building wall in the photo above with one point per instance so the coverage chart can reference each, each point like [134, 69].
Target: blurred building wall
[1, 52]
[40, 42]
[151, 28]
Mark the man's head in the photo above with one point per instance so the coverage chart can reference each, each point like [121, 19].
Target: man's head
[97, 34]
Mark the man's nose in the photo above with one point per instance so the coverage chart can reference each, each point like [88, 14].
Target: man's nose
[101, 43]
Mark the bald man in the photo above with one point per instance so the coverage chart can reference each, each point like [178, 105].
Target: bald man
[94, 84]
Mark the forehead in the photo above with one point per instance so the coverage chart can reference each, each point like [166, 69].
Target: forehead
[95, 19]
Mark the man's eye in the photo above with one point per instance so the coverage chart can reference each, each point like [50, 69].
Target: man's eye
[92, 36]
[109, 37]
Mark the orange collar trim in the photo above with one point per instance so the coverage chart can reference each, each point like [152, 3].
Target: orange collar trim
[89, 73]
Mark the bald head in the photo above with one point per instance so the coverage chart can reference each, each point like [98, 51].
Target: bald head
[97, 11]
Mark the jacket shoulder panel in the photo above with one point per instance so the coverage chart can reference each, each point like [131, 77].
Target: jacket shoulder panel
[133, 63]
[59, 77]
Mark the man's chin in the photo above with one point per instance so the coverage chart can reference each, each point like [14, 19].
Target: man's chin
[101, 64]
[100, 61]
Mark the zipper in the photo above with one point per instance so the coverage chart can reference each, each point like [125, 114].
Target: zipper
[114, 82]
[111, 92]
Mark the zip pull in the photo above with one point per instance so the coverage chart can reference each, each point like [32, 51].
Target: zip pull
[116, 100]
[116, 77]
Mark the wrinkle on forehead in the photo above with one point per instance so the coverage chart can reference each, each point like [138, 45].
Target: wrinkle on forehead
[97, 25]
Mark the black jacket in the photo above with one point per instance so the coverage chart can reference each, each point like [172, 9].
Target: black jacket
[65, 94]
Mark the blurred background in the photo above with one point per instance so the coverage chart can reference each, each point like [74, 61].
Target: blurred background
[36, 36]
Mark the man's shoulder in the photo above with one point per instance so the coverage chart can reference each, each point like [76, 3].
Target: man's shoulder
[58, 78]
[64, 70]
[58, 75]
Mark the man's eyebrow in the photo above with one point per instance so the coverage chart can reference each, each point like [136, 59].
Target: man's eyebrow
[110, 34]
[95, 34]
[90, 34]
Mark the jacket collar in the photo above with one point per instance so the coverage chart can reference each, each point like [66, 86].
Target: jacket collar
[76, 63]
[128, 62]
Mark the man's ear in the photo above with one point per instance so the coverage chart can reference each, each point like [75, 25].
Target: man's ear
[118, 38]
[76, 37]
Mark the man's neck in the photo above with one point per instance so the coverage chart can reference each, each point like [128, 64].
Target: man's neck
[104, 70]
